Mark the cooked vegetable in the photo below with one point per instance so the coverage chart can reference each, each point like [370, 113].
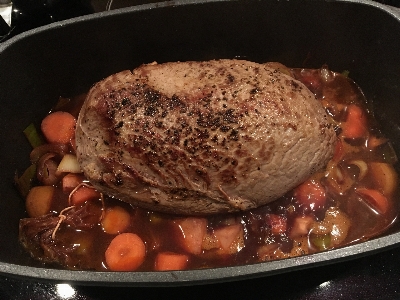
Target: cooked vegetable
[126, 252]
[278, 223]
[38, 201]
[69, 164]
[47, 169]
[33, 136]
[116, 220]
[374, 141]
[339, 179]
[375, 199]
[339, 151]
[57, 149]
[193, 231]
[84, 245]
[362, 167]
[301, 226]
[83, 193]
[229, 238]
[59, 127]
[311, 194]
[71, 181]
[336, 223]
[346, 73]
[321, 241]
[168, 261]
[24, 182]
[356, 123]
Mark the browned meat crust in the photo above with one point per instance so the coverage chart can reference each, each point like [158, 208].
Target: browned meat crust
[202, 137]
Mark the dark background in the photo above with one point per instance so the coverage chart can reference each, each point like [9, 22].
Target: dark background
[372, 277]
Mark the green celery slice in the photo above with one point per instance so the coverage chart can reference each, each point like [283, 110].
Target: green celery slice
[33, 136]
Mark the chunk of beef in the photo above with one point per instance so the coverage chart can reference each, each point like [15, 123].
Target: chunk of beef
[49, 243]
[202, 137]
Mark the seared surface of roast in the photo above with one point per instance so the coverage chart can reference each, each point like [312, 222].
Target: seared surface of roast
[202, 137]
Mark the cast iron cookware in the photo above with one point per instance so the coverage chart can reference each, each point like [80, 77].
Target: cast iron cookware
[67, 57]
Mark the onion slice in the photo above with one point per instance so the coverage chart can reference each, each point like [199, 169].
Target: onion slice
[69, 164]
[362, 166]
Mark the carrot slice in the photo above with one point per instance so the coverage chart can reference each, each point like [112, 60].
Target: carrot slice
[311, 194]
[375, 199]
[356, 123]
[59, 127]
[116, 220]
[168, 261]
[126, 252]
[83, 194]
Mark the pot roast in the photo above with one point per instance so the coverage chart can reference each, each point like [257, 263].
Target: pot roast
[202, 137]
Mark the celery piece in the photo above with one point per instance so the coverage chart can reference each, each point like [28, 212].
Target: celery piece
[321, 241]
[24, 182]
[33, 136]
[346, 73]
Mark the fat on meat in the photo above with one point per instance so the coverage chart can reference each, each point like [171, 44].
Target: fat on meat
[202, 137]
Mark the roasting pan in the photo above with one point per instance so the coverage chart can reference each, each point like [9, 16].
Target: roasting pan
[66, 58]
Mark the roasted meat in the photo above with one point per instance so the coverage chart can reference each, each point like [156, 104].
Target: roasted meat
[202, 137]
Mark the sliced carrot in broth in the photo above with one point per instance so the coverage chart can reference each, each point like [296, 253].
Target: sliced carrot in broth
[375, 199]
[59, 127]
[116, 220]
[126, 252]
[168, 261]
[83, 194]
[356, 123]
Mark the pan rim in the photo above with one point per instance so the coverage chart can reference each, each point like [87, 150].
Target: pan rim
[393, 11]
[204, 276]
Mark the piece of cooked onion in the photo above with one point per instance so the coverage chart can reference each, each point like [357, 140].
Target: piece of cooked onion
[362, 166]
[69, 164]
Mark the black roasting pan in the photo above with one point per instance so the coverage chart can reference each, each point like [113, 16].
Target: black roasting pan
[66, 58]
